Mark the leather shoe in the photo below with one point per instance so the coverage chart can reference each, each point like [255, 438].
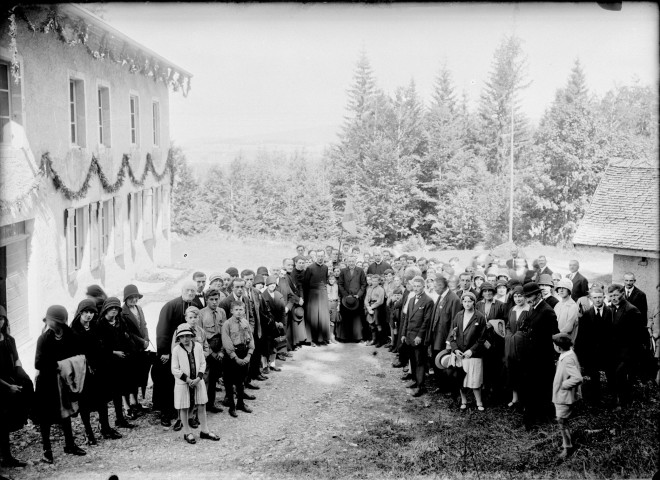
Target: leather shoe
[214, 409]
[209, 436]
[75, 450]
[407, 377]
[124, 424]
[261, 378]
[244, 408]
[193, 422]
[412, 385]
[47, 457]
[11, 462]
[178, 425]
[419, 392]
[232, 412]
[251, 387]
[276, 369]
[165, 421]
[397, 365]
[111, 434]
[247, 396]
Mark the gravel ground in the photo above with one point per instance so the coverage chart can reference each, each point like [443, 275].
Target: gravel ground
[311, 409]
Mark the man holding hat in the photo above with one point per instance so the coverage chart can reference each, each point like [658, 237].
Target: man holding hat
[539, 366]
[287, 286]
[352, 284]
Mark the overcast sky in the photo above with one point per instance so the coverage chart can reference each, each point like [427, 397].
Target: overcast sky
[261, 69]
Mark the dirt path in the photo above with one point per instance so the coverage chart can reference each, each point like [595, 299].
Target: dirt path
[322, 398]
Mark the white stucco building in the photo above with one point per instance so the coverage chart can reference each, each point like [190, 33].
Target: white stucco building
[84, 170]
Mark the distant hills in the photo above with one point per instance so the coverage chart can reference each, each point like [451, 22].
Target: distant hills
[204, 152]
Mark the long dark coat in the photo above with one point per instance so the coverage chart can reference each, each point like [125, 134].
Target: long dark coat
[49, 352]
[96, 389]
[14, 407]
[350, 327]
[444, 312]
[122, 372]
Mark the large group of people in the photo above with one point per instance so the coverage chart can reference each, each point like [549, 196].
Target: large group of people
[499, 330]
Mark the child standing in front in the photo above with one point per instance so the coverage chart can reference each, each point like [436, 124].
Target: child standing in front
[188, 367]
[565, 388]
[375, 306]
[333, 303]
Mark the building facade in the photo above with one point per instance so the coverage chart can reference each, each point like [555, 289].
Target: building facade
[85, 175]
[624, 219]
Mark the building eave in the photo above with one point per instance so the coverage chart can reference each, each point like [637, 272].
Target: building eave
[618, 251]
[75, 10]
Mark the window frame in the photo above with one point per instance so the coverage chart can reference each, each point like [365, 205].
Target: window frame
[156, 115]
[77, 110]
[7, 141]
[134, 119]
[104, 114]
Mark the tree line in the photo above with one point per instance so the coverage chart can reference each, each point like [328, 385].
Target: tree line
[435, 173]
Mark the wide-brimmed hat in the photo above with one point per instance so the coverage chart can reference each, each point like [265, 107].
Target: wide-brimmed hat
[531, 288]
[262, 271]
[183, 329]
[438, 358]
[350, 303]
[488, 286]
[298, 313]
[110, 302]
[58, 314]
[130, 291]
[565, 283]
[259, 279]
[271, 279]
[501, 283]
[546, 279]
[95, 291]
[469, 294]
[87, 305]
[215, 276]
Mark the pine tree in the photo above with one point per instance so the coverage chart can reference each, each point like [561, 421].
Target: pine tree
[501, 94]
[190, 214]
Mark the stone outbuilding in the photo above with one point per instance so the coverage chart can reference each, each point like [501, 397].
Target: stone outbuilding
[624, 219]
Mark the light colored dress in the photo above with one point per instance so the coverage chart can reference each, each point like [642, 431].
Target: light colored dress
[188, 364]
[567, 316]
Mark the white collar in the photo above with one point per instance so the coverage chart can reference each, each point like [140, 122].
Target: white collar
[565, 354]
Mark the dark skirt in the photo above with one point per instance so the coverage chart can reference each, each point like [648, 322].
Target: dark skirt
[349, 328]
[317, 315]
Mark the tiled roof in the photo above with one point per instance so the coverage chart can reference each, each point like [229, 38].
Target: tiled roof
[624, 209]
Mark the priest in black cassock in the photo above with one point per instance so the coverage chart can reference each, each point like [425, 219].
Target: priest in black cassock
[317, 309]
[171, 316]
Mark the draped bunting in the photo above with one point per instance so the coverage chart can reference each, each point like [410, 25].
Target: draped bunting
[95, 169]
[76, 32]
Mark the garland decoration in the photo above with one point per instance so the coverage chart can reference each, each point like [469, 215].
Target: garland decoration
[40, 19]
[16, 204]
[108, 187]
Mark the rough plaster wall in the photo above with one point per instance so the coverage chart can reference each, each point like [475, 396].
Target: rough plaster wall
[47, 65]
[647, 277]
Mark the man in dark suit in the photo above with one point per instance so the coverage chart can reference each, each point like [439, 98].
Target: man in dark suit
[413, 333]
[378, 266]
[543, 267]
[446, 307]
[402, 305]
[593, 343]
[465, 284]
[629, 338]
[580, 284]
[352, 282]
[539, 357]
[200, 279]
[634, 295]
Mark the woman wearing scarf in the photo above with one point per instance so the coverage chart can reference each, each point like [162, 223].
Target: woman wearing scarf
[134, 316]
[95, 394]
[119, 342]
[58, 342]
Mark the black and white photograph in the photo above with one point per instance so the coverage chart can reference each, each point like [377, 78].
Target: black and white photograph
[299, 241]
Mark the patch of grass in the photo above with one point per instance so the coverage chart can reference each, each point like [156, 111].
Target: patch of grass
[493, 444]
